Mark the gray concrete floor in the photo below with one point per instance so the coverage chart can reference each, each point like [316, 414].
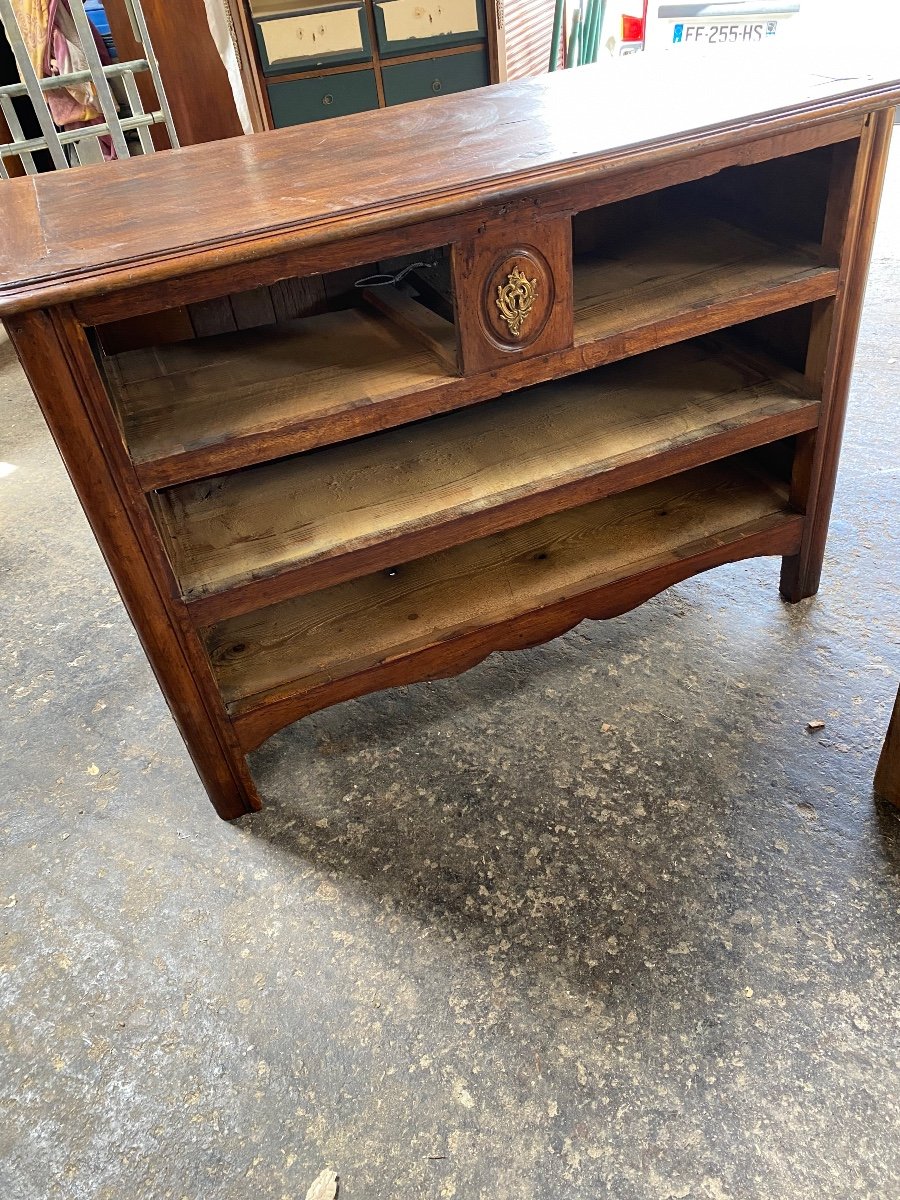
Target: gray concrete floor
[597, 920]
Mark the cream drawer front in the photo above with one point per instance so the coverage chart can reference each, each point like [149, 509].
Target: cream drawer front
[405, 26]
[298, 40]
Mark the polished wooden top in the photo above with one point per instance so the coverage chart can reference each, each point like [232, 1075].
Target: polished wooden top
[98, 229]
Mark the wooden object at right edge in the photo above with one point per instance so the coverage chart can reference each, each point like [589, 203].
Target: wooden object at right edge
[887, 776]
[848, 237]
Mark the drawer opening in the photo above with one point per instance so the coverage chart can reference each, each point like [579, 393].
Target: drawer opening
[504, 591]
[743, 232]
[208, 385]
[304, 522]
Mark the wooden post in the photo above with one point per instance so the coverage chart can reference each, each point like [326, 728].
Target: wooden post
[193, 75]
[51, 348]
[849, 231]
[13, 166]
[887, 777]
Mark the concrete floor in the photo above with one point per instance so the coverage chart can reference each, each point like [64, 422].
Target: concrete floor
[598, 920]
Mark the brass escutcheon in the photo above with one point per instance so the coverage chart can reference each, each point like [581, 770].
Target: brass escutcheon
[515, 299]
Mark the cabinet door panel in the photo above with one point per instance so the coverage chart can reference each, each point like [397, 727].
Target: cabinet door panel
[513, 288]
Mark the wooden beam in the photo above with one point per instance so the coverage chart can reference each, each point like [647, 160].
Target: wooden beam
[13, 165]
[195, 79]
[887, 777]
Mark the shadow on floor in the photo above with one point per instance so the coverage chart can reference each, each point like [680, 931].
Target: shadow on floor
[583, 851]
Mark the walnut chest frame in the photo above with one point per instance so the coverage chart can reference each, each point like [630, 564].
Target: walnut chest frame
[618, 355]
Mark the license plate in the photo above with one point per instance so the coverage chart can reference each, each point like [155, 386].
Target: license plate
[730, 34]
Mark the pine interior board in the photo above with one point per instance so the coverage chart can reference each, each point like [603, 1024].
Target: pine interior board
[199, 393]
[306, 641]
[664, 270]
[253, 524]
[436, 334]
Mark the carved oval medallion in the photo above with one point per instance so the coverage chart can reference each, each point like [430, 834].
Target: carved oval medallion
[518, 298]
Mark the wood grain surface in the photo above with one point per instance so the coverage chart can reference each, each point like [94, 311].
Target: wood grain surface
[192, 395]
[383, 169]
[679, 266]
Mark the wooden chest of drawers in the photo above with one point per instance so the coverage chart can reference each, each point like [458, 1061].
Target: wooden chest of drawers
[338, 428]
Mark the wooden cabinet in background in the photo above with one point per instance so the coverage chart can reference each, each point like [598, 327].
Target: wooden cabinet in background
[339, 427]
[312, 61]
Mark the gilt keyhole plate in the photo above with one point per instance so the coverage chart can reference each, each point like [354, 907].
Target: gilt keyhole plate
[517, 299]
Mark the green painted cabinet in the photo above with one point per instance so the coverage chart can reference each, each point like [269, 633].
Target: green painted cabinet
[316, 59]
[302, 100]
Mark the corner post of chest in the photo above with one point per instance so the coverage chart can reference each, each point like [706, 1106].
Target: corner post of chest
[56, 355]
[855, 190]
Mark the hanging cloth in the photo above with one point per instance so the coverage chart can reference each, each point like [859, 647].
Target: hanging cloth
[51, 39]
[221, 27]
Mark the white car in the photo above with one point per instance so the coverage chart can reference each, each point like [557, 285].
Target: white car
[632, 25]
